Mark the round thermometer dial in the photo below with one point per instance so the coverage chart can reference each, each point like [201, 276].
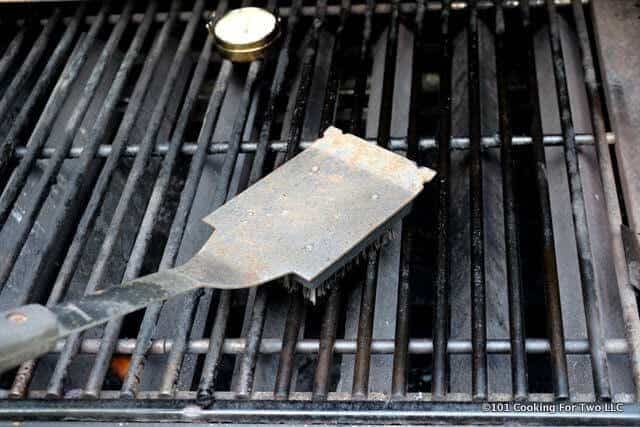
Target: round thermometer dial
[245, 34]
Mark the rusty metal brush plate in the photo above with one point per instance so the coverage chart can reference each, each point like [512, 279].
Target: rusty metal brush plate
[324, 207]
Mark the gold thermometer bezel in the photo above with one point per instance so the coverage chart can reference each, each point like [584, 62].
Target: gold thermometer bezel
[249, 51]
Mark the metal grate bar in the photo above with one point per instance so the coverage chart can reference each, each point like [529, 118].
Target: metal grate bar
[360, 387]
[297, 307]
[132, 380]
[360, 9]
[441, 292]
[41, 87]
[238, 346]
[478, 309]
[37, 140]
[629, 306]
[327, 344]
[384, 119]
[331, 315]
[221, 195]
[28, 66]
[356, 126]
[54, 165]
[552, 290]
[399, 375]
[172, 366]
[360, 86]
[247, 364]
[412, 407]
[275, 90]
[147, 327]
[44, 124]
[9, 55]
[99, 269]
[143, 239]
[336, 69]
[396, 144]
[303, 412]
[214, 351]
[401, 349]
[514, 283]
[135, 176]
[361, 372]
[286, 362]
[91, 211]
[587, 274]
[176, 235]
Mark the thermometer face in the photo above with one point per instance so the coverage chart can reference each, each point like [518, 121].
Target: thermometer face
[243, 34]
[245, 26]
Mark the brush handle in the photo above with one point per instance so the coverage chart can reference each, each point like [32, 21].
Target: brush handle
[30, 331]
[26, 333]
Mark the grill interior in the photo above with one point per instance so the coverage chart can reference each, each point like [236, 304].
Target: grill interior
[122, 127]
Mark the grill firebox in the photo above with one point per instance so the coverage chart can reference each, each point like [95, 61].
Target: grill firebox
[121, 127]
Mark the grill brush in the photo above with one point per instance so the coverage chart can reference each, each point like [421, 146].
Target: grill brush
[304, 221]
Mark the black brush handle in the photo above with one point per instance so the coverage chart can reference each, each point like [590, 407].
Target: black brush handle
[31, 331]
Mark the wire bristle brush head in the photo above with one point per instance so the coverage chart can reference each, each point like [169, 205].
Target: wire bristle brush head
[314, 294]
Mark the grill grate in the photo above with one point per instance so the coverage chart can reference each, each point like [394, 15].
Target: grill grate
[123, 127]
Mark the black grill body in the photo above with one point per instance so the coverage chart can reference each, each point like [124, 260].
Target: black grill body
[505, 296]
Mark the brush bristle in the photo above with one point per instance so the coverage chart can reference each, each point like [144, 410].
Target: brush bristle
[317, 293]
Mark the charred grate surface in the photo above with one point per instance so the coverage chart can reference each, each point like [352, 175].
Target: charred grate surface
[121, 127]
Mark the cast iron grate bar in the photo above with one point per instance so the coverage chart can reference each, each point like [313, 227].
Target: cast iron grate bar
[399, 375]
[349, 346]
[585, 256]
[55, 163]
[247, 363]
[11, 52]
[441, 291]
[143, 239]
[147, 327]
[512, 242]
[42, 86]
[44, 126]
[381, 8]
[361, 374]
[37, 139]
[29, 64]
[395, 144]
[478, 298]
[97, 276]
[297, 306]
[100, 188]
[221, 194]
[360, 387]
[604, 159]
[131, 381]
[552, 288]
[333, 306]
